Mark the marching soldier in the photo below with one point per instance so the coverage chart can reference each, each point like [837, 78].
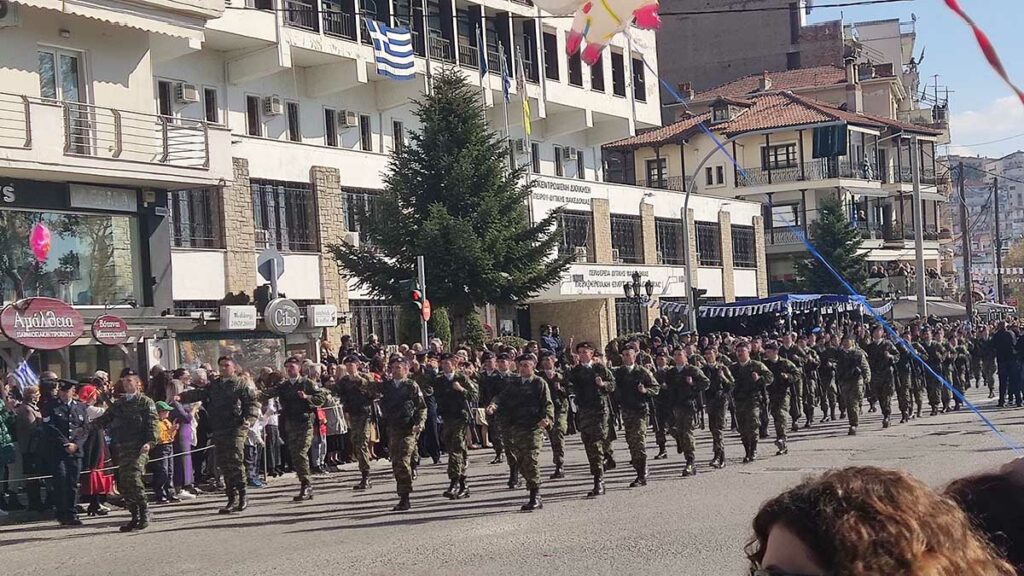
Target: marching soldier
[559, 392]
[299, 398]
[526, 411]
[592, 382]
[827, 376]
[751, 377]
[405, 411]
[789, 351]
[662, 407]
[853, 370]
[357, 393]
[684, 383]
[717, 400]
[934, 353]
[961, 370]
[634, 386]
[454, 393]
[810, 369]
[987, 357]
[882, 355]
[948, 369]
[904, 373]
[785, 373]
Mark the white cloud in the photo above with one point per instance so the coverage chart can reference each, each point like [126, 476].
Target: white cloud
[1002, 118]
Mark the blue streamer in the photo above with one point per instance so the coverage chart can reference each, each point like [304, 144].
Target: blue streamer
[1010, 443]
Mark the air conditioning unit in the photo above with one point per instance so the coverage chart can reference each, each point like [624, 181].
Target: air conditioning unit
[519, 145]
[186, 93]
[352, 239]
[9, 17]
[273, 106]
[347, 119]
[571, 154]
[581, 253]
[615, 256]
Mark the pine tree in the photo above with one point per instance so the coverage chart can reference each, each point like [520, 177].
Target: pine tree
[450, 196]
[839, 243]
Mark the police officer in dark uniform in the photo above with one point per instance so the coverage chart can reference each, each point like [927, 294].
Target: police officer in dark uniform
[64, 417]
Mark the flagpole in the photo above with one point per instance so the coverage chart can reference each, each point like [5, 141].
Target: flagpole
[521, 73]
[426, 45]
[481, 55]
[504, 100]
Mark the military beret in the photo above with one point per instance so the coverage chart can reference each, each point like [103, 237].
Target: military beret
[293, 360]
[525, 357]
[584, 346]
[772, 345]
[351, 359]
[743, 344]
[421, 354]
[65, 385]
[487, 356]
[546, 354]
[432, 356]
[503, 356]
[396, 359]
[631, 346]
[448, 356]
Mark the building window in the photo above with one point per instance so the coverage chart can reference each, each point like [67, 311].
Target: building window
[377, 317]
[628, 317]
[576, 70]
[581, 168]
[714, 175]
[743, 252]
[577, 235]
[778, 156]
[365, 134]
[558, 161]
[709, 176]
[285, 215]
[253, 116]
[639, 80]
[398, 135]
[627, 239]
[550, 56]
[294, 130]
[719, 113]
[61, 76]
[655, 170]
[535, 157]
[719, 175]
[212, 111]
[669, 235]
[709, 243]
[785, 215]
[358, 205]
[618, 74]
[330, 127]
[164, 98]
[597, 76]
[194, 218]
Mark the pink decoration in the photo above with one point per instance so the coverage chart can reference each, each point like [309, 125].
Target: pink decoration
[39, 240]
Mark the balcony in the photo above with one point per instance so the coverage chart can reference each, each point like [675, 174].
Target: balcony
[668, 183]
[301, 14]
[88, 142]
[821, 169]
[784, 237]
[337, 22]
[906, 176]
[441, 48]
[469, 55]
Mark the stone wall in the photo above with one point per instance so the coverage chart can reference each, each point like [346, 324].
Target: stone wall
[728, 277]
[762, 260]
[239, 231]
[333, 288]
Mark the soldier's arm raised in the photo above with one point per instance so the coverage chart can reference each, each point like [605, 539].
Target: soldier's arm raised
[728, 380]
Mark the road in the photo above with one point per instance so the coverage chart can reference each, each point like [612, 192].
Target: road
[674, 526]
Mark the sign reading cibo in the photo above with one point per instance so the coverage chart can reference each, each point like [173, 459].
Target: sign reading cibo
[110, 330]
[281, 316]
[42, 323]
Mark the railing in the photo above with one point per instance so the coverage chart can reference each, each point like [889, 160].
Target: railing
[821, 169]
[301, 14]
[906, 286]
[469, 56]
[871, 230]
[668, 183]
[531, 69]
[338, 23]
[783, 237]
[110, 133]
[906, 176]
[493, 62]
[15, 121]
[441, 49]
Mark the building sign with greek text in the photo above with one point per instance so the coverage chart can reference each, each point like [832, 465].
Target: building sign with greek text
[606, 280]
[42, 323]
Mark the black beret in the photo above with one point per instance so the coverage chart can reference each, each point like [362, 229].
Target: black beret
[351, 359]
[771, 345]
[448, 356]
[546, 354]
[397, 359]
[504, 356]
[293, 360]
[487, 356]
[525, 357]
[63, 384]
[584, 345]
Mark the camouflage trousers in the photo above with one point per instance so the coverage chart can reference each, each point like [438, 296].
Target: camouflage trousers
[976, 370]
[932, 385]
[608, 445]
[131, 466]
[635, 423]
[903, 385]
[684, 417]
[593, 426]
[502, 444]
[716, 424]
[796, 393]
[455, 443]
[525, 444]
[810, 391]
[828, 394]
[401, 445]
[556, 435]
[360, 429]
[299, 438]
[917, 387]
[230, 449]
[883, 387]
[960, 382]
[748, 419]
[778, 408]
[853, 394]
[663, 418]
[988, 373]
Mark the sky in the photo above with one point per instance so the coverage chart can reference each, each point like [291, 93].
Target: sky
[983, 108]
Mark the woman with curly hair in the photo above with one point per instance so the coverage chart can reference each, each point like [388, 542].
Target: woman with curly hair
[863, 521]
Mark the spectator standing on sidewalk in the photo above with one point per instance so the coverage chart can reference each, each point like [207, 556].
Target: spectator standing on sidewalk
[163, 455]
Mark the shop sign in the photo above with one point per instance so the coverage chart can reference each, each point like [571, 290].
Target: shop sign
[42, 323]
[103, 198]
[237, 317]
[599, 280]
[322, 315]
[281, 316]
[15, 193]
[110, 330]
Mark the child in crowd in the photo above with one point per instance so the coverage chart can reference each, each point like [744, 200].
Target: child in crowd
[161, 456]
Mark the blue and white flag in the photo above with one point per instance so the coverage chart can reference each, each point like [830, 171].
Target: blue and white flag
[481, 54]
[24, 376]
[392, 50]
[506, 80]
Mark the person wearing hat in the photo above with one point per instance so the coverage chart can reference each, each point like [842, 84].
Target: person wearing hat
[592, 382]
[162, 452]
[357, 393]
[717, 401]
[454, 393]
[63, 419]
[779, 392]
[404, 412]
[751, 379]
[526, 411]
[300, 397]
[492, 381]
[231, 408]
[634, 387]
[811, 389]
[827, 351]
[882, 356]
[853, 370]
[685, 383]
[933, 350]
[559, 392]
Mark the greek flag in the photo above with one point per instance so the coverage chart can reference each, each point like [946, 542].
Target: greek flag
[24, 376]
[392, 49]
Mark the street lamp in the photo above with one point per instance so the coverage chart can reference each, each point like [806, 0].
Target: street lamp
[633, 292]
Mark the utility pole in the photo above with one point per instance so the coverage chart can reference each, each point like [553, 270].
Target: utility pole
[421, 273]
[999, 243]
[915, 173]
[965, 244]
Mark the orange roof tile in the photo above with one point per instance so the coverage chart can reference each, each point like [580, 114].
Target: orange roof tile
[819, 76]
[675, 133]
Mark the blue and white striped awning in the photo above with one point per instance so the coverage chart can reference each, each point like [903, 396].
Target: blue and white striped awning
[796, 303]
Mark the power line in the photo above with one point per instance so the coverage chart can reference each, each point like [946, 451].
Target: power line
[1015, 136]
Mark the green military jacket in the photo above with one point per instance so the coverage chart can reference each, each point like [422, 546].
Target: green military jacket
[722, 382]
[747, 388]
[403, 405]
[882, 355]
[131, 423]
[853, 366]
[453, 405]
[558, 390]
[294, 408]
[785, 372]
[357, 394]
[583, 383]
[627, 388]
[229, 402]
[685, 386]
[524, 402]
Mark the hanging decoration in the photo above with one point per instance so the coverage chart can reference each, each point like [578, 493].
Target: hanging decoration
[596, 22]
[40, 241]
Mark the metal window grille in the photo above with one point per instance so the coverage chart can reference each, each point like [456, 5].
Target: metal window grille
[709, 244]
[576, 233]
[628, 317]
[627, 238]
[743, 253]
[358, 206]
[669, 234]
[194, 218]
[285, 214]
[374, 317]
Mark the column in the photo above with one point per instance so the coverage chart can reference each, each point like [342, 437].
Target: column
[728, 278]
[333, 288]
[601, 228]
[650, 234]
[762, 260]
[239, 231]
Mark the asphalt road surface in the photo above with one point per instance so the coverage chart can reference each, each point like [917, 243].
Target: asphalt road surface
[674, 526]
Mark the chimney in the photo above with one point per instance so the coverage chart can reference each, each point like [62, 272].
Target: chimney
[685, 90]
[764, 84]
[854, 94]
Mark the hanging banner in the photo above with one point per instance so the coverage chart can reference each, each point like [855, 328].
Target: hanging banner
[42, 323]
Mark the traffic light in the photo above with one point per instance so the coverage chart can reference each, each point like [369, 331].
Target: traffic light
[417, 299]
[697, 298]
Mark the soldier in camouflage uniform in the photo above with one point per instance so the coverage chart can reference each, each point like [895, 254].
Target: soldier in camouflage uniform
[717, 401]
[757, 353]
[662, 407]
[299, 397]
[592, 382]
[904, 373]
[231, 407]
[973, 348]
[961, 370]
[751, 378]
[357, 393]
[132, 422]
[526, 411]
[853, 370]
[789, 351]
[810, 367]
[785, 373]
[634, 386]
[826, 351]
[684, 384]
[559, 392]
[454, 393]
[882, 356]
[948, 369]
[405, 411]
[986, 354]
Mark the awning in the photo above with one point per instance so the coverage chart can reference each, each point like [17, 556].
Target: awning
[123, 14]
[795, 303]
[864, 191]
[884, 255]
[906, 309]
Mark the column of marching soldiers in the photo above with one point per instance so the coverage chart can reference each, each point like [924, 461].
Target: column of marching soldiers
[755, 382]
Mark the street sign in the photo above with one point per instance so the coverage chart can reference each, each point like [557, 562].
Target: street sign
[110, 330]
[42, 323]
[281, 316]
[265, 266]
[425, 311]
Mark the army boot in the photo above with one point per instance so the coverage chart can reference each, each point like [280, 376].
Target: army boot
[747, 458]
[243, 502]
[134, 522]
[935, 410]
[662, 454]
[364, 483]
[641, 476]
[534, 503]
[598, 487]
[796, 426]
[781, 445]
[462, 491]
[832, 413]
[450, 492]
[230, 506]
[403, 504]
[305, 493]
[852, 431]
[559, 472]
[885, 422]
[609, 462]
[689, 469]
[143, 518]
[718, 461]
[872, 408]
[904, 418]
[498, 458]
[513, 478]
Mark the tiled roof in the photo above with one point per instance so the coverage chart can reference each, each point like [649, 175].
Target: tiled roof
[675, 133]
[820, 76]
[905, 126]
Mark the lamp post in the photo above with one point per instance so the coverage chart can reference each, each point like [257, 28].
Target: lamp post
[638, 293]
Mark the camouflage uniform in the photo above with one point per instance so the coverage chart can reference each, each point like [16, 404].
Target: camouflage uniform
[961, 372]
[796, 385]
[827, 379]
[786, 373]
[974, 349]
[717, 400]
[986, 355]
[593, 410]
[491, 384]
[522, 404]
[904, 373]
[560, 424]
[810, 387]
[746, 395]
[882, 356]
[404, 409]
[454, 408]
[634, 408]
[684, 386]
[853, 370]
[229, 402]
[662, 412]
[357, 394]
[298, 414]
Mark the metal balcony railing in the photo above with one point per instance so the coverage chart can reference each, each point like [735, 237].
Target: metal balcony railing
[493, 61]
[667, 183]
[301, 14]
[469, 56]
[441, 48]
[15, 121]
[906, 176]
[119, 134]
[821, 169]
[337, 22]
[783, 237]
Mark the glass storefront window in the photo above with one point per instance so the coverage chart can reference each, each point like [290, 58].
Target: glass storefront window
[95, 259]
[251, 350]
